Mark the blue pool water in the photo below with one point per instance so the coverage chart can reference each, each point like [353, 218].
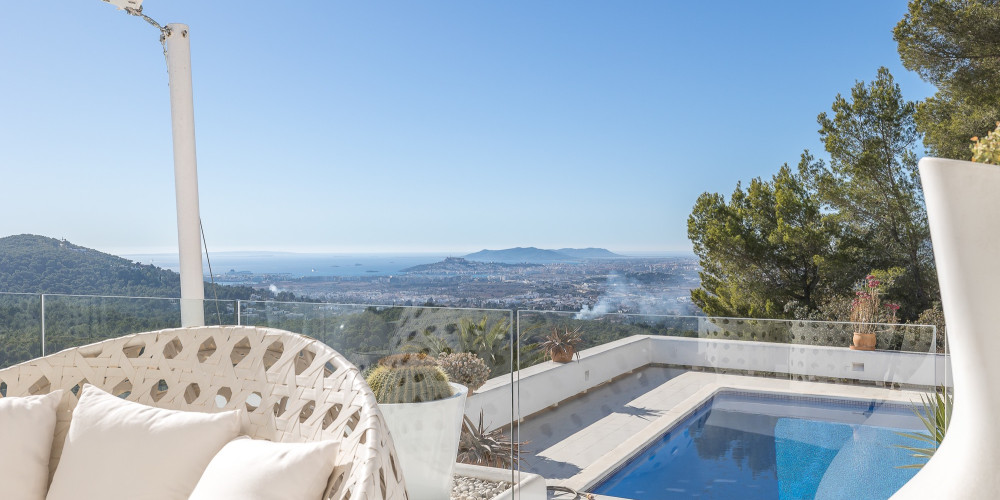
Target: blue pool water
[761, 447]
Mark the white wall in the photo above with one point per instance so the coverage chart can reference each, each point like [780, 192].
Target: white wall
[548, 383]
[802, 361]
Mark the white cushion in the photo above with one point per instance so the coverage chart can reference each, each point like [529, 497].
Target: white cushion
[117, 449]
[27, 425]
[249, 469]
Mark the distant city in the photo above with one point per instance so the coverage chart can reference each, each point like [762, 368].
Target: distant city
[589, 281]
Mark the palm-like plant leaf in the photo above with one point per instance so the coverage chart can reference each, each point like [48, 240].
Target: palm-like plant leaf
[935, 414]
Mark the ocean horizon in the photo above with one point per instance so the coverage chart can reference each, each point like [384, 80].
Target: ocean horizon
[299, 265]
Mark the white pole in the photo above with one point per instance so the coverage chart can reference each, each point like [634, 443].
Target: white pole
[177, 44]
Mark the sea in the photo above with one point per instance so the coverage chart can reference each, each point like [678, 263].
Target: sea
[298, 265]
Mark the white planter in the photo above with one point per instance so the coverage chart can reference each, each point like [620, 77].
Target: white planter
[527, 486]
[426, 438]
[963, 203]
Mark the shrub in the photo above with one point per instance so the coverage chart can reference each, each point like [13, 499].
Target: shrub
[987, 149]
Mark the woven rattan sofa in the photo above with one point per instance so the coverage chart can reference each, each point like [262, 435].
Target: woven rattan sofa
[294, 389]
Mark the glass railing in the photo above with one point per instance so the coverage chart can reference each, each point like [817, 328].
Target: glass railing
[604, 328]
[33, 325]
[703, 403]
[20, 327]
[76, 320]
[634, 382]
[367, 333]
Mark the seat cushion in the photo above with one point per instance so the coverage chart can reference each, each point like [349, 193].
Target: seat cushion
[27, 425]
[250, 469]
[117, 449]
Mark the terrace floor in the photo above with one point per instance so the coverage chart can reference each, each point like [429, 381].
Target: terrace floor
[578, 442]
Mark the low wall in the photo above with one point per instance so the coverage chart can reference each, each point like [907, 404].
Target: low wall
[803, 362]
[545, 384]
[549, 383]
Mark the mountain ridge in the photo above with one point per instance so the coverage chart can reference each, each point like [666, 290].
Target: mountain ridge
[459, 265]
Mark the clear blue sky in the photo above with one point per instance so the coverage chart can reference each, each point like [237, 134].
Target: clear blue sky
[401, 126]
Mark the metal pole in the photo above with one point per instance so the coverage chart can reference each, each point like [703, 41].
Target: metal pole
[177, 45]
[43, 324]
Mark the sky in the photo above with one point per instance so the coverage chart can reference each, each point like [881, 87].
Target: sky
[430, 126]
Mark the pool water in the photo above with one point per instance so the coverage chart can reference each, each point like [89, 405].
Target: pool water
[750, 446]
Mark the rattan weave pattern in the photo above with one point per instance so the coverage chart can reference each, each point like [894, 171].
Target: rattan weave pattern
[292, 388]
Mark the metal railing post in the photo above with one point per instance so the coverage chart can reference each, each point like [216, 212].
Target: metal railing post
[43, 324]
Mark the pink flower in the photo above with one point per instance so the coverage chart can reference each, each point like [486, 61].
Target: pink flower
[870, 277]
[894, 307]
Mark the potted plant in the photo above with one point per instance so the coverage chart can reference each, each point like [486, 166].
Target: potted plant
[424, 414]
[479, 446]
[560, 345]
[465, 368]
[866, 311]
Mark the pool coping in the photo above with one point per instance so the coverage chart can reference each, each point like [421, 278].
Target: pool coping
[591, 475]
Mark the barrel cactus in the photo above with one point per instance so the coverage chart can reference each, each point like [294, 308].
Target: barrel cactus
[407, 359]
[465, 368]
[409, 383]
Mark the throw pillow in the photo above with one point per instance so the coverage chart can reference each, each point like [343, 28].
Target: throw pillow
[27, 425]
[116, 449]
[250, 469]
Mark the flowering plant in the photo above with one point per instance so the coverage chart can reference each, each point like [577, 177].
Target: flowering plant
[867, 309]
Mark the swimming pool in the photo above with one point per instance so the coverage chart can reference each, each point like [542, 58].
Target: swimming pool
[756, 446]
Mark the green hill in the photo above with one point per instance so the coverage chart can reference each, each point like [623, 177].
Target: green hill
[32, 264]
[38, 264]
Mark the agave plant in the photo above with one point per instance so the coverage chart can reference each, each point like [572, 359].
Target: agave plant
[562, 341]
[935, 414]
[491, 449]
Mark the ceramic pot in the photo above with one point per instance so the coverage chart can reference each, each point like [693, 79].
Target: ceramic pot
[426, 436]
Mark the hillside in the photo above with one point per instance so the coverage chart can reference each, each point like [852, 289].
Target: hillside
[458, 265]
[38, 264]
[532, 254]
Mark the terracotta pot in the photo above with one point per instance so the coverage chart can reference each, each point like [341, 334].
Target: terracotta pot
[864, 342]
[562, 356]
